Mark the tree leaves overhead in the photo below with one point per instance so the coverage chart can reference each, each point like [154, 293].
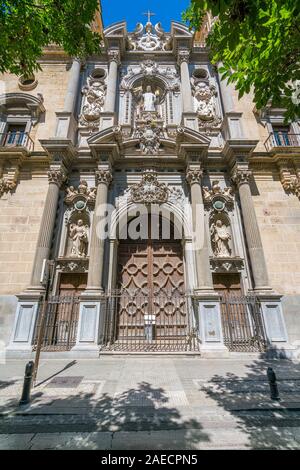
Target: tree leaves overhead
[26, 26]
[258, 43]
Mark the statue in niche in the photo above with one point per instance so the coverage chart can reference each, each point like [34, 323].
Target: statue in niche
[147, 100]
[220, 237]
[79, 233]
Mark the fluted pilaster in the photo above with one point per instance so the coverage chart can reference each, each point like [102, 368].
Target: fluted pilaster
[56, 177]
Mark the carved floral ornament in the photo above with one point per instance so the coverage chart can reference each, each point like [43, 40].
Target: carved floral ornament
[194, 175]
[241, 176]
[289, 178]
[7, 185]
[57, 176]
[103, 176]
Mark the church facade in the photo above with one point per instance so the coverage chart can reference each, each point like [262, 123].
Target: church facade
[144, 208]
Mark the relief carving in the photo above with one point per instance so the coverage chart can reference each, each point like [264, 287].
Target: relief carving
[205, 102]
[94, 93]
[149, 190]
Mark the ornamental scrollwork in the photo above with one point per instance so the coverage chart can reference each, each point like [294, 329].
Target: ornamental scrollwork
[83, 192]
[149, 190]
[6, 186]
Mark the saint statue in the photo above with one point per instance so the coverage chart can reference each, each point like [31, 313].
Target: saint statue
[149, 100]
[220, 239]
[79, 233]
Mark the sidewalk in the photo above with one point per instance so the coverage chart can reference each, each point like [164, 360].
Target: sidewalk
[125, 402]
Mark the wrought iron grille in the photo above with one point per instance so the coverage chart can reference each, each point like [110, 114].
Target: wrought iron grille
[60, 325]
[148, 321]
[242, 322]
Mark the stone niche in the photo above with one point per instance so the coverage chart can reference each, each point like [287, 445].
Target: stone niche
[79, 203]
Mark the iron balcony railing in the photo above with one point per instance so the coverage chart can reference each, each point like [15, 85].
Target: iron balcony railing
[282, 139]
[16, 139]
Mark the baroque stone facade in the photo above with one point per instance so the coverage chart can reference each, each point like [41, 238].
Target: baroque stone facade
[147, 123]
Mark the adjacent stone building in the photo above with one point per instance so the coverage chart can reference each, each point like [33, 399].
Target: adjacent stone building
[145, 138]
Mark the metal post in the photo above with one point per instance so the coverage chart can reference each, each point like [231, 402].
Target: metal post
[27, 383]
[40, 340]
[273, 384]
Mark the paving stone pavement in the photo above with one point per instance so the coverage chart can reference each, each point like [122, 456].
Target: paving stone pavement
[128, 402]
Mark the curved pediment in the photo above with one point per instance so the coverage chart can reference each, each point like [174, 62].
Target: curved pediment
[115, 29]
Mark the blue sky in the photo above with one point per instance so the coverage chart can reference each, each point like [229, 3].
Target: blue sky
[131, 11]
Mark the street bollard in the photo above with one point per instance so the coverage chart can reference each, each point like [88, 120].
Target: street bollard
[27, 383]
[273, 384]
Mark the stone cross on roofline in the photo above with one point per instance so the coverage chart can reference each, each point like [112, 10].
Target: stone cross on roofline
[149, 14]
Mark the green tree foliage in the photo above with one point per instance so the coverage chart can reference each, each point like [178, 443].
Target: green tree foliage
[258, 43]
[26, 26]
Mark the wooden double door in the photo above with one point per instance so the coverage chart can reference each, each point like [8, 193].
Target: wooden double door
[151, 303]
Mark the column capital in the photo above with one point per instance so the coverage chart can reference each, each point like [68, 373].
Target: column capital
[194, 175]
[103, 176]
[114, 56]
[241, 176]
[183, 56]
[57, 176]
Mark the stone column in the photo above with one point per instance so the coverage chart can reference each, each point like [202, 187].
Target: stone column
[186, 91]
[72, 91]
[204, 276]
[94, 283]
[114, 59]
[56, 177]
[241, 177]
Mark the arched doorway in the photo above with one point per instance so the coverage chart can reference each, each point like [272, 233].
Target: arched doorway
[150, 306]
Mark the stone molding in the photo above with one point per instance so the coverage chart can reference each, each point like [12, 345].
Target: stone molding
[73, 265]
[227, 265]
